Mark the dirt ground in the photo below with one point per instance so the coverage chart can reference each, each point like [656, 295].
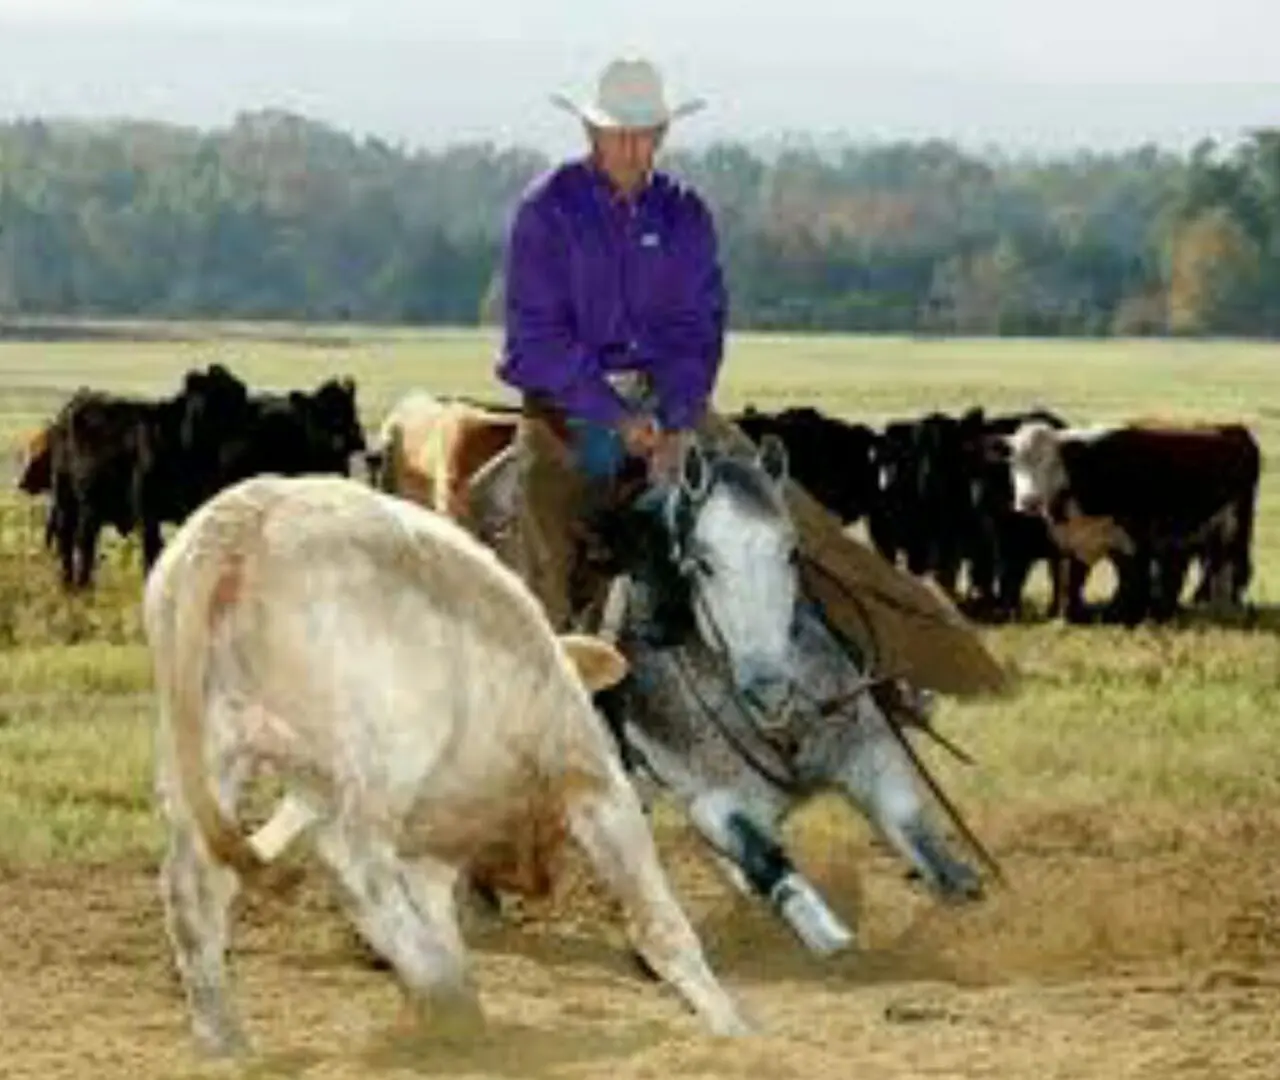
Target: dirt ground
[1148, 950]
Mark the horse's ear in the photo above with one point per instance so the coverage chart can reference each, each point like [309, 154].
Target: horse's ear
[773, 457]
[695, 474]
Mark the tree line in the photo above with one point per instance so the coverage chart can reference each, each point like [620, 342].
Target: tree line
[281, 216]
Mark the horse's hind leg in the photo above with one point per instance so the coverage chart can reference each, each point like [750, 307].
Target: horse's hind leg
[762, 863]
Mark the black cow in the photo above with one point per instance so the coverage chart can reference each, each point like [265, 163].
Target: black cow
[100, 447]
[134, 463]
[832, 459]
[924, 511]
[945, 506]
[291, 433]
[893, 524]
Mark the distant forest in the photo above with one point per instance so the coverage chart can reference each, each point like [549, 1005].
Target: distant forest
[280, 216]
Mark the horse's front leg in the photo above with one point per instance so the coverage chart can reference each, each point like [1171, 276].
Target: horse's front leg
[759, 866]
[880, 782]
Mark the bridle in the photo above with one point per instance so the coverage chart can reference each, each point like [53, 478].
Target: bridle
[772, 730]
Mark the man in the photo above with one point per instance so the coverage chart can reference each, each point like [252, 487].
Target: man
[612, 272]
[615, 321]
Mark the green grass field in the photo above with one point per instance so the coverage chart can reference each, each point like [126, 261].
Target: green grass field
[1181, 714]
[1135, 745]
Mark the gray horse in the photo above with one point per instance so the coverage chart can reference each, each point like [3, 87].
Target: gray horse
[743, 704]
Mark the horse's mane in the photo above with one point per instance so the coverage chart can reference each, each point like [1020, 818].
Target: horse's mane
[642, 536]
[746, 481]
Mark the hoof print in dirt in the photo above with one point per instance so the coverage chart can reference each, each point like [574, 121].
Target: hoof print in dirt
[910, 1012]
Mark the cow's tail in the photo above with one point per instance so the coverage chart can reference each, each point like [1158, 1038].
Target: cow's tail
[213, 576]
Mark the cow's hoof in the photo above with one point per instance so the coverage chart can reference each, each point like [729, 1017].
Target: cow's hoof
[222, 1042]
[733, 1025]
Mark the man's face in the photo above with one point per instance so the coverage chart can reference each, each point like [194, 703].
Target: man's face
[626, 154]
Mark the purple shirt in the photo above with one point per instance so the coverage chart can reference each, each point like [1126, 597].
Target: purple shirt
[594, 284]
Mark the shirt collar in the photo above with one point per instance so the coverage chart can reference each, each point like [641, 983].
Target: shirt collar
[601, 185]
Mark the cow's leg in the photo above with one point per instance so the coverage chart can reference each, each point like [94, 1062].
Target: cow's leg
[1132, 600]
[1075, 607]
[1010, 570]
[1238, 553]
[1015, 568]
[197, 893]
[66, 525]
[1168, 576]
[432, 886]
[983, 559]
[611, 828]
[1059, 583]
[739, 837]
[947, 561]
[51, 526]
[88, 529]
[382, 894]
[1219, 583]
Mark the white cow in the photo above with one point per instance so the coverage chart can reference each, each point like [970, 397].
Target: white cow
[409, 691]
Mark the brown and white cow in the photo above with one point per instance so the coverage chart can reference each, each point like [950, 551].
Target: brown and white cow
[432, 448]
[1169, 491]
[408, 690]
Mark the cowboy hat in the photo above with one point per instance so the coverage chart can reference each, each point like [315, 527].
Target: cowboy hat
[629, 94]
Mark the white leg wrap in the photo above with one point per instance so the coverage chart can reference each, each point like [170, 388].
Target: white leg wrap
[808, 915]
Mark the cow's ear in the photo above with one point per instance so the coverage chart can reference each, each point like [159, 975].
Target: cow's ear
[599, 664]
[773, 458]
[995, 448]
[348, 385]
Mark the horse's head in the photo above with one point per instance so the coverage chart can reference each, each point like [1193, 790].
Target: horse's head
[733, 545]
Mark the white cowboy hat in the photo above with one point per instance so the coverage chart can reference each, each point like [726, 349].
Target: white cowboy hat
[629, 94]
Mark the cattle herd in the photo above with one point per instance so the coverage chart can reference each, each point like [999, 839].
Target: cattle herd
[137, 464]
[972, 501]
[988, 497]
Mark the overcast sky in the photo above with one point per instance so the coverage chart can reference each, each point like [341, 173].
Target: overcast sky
[1011, 72]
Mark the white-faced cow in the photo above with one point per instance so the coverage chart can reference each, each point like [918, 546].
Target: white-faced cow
[408, 690]
[1171, 492]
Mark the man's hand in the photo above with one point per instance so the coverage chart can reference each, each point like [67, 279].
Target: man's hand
[640, 435]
